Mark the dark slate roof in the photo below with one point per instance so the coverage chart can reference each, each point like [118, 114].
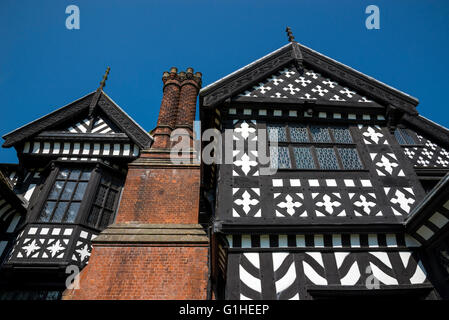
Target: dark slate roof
[302, 57]
[114, 113]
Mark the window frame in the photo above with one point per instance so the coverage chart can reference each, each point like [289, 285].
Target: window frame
[58, 200]
[98, 170]
[119, 191]
[312, 145]
[410, 133]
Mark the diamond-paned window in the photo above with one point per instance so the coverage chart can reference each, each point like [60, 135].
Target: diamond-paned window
[327, 159]
[341, 135]
[350, 159]
[280, 158]
[304, 158]
[320, 134]
[277, 133]
[313, 147]
[299, 133]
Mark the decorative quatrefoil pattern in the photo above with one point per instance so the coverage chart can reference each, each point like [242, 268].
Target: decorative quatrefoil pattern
[245, 149]
[328, 204]
[53, 244]
[42, 243]
[372, 134]
[402, 199]
[245, 130]
[291, 204]
[83, 248]
[246, 202]
[365, 204]
[310, 85]
[429, 156]
[387, 164]
[324, 197]
[245, 164]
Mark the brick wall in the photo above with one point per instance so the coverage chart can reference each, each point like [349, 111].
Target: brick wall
[160, 195]
[146, 254]
[144, 273]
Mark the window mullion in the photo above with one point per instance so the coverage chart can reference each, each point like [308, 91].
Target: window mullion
[70, 201]
[90, 195]
[45, 193]
[58, 200]
[337, 155]
[103, 205]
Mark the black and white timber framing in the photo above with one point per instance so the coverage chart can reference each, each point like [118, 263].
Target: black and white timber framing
[335, 232]
[63, 193]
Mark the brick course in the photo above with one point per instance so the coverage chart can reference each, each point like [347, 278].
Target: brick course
[143, 273]
[160, 195]
[156, 192]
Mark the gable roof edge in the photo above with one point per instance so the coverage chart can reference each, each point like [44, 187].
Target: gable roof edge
[47, 117]
[214, 84]
[383, 84]
[44, 116]
[229, 85]
[141, 143]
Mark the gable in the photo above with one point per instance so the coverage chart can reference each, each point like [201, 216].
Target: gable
[306, 84]
[244, 79]
[97, 125]
[93, 117]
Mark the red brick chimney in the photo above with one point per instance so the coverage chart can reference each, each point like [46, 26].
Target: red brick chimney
[155, 249]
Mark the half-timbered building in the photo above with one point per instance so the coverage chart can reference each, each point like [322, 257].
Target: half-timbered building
[358, 205]
[63, 192]
[337, 187]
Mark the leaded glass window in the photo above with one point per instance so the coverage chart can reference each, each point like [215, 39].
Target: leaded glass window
[277, 133]
[350, 159]
[320, 134]
[327, 158]
[304, 158]
[64, 200]
[403, 136]
[313, 147]
[299, 133]
[341, 135]
[103, 208]
[280, 157]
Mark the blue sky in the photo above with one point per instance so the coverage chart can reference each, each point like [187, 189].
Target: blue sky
[43, 65]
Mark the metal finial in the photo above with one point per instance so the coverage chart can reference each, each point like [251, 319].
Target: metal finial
[291, 38]
[105, 77]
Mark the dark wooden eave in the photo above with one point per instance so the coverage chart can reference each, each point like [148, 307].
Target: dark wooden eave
[234, 83]
[83, 137]
[431, 203]
[116, 114]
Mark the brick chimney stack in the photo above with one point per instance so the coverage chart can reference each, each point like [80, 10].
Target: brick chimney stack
[155, 249]
[190, 87]
[178, 104]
